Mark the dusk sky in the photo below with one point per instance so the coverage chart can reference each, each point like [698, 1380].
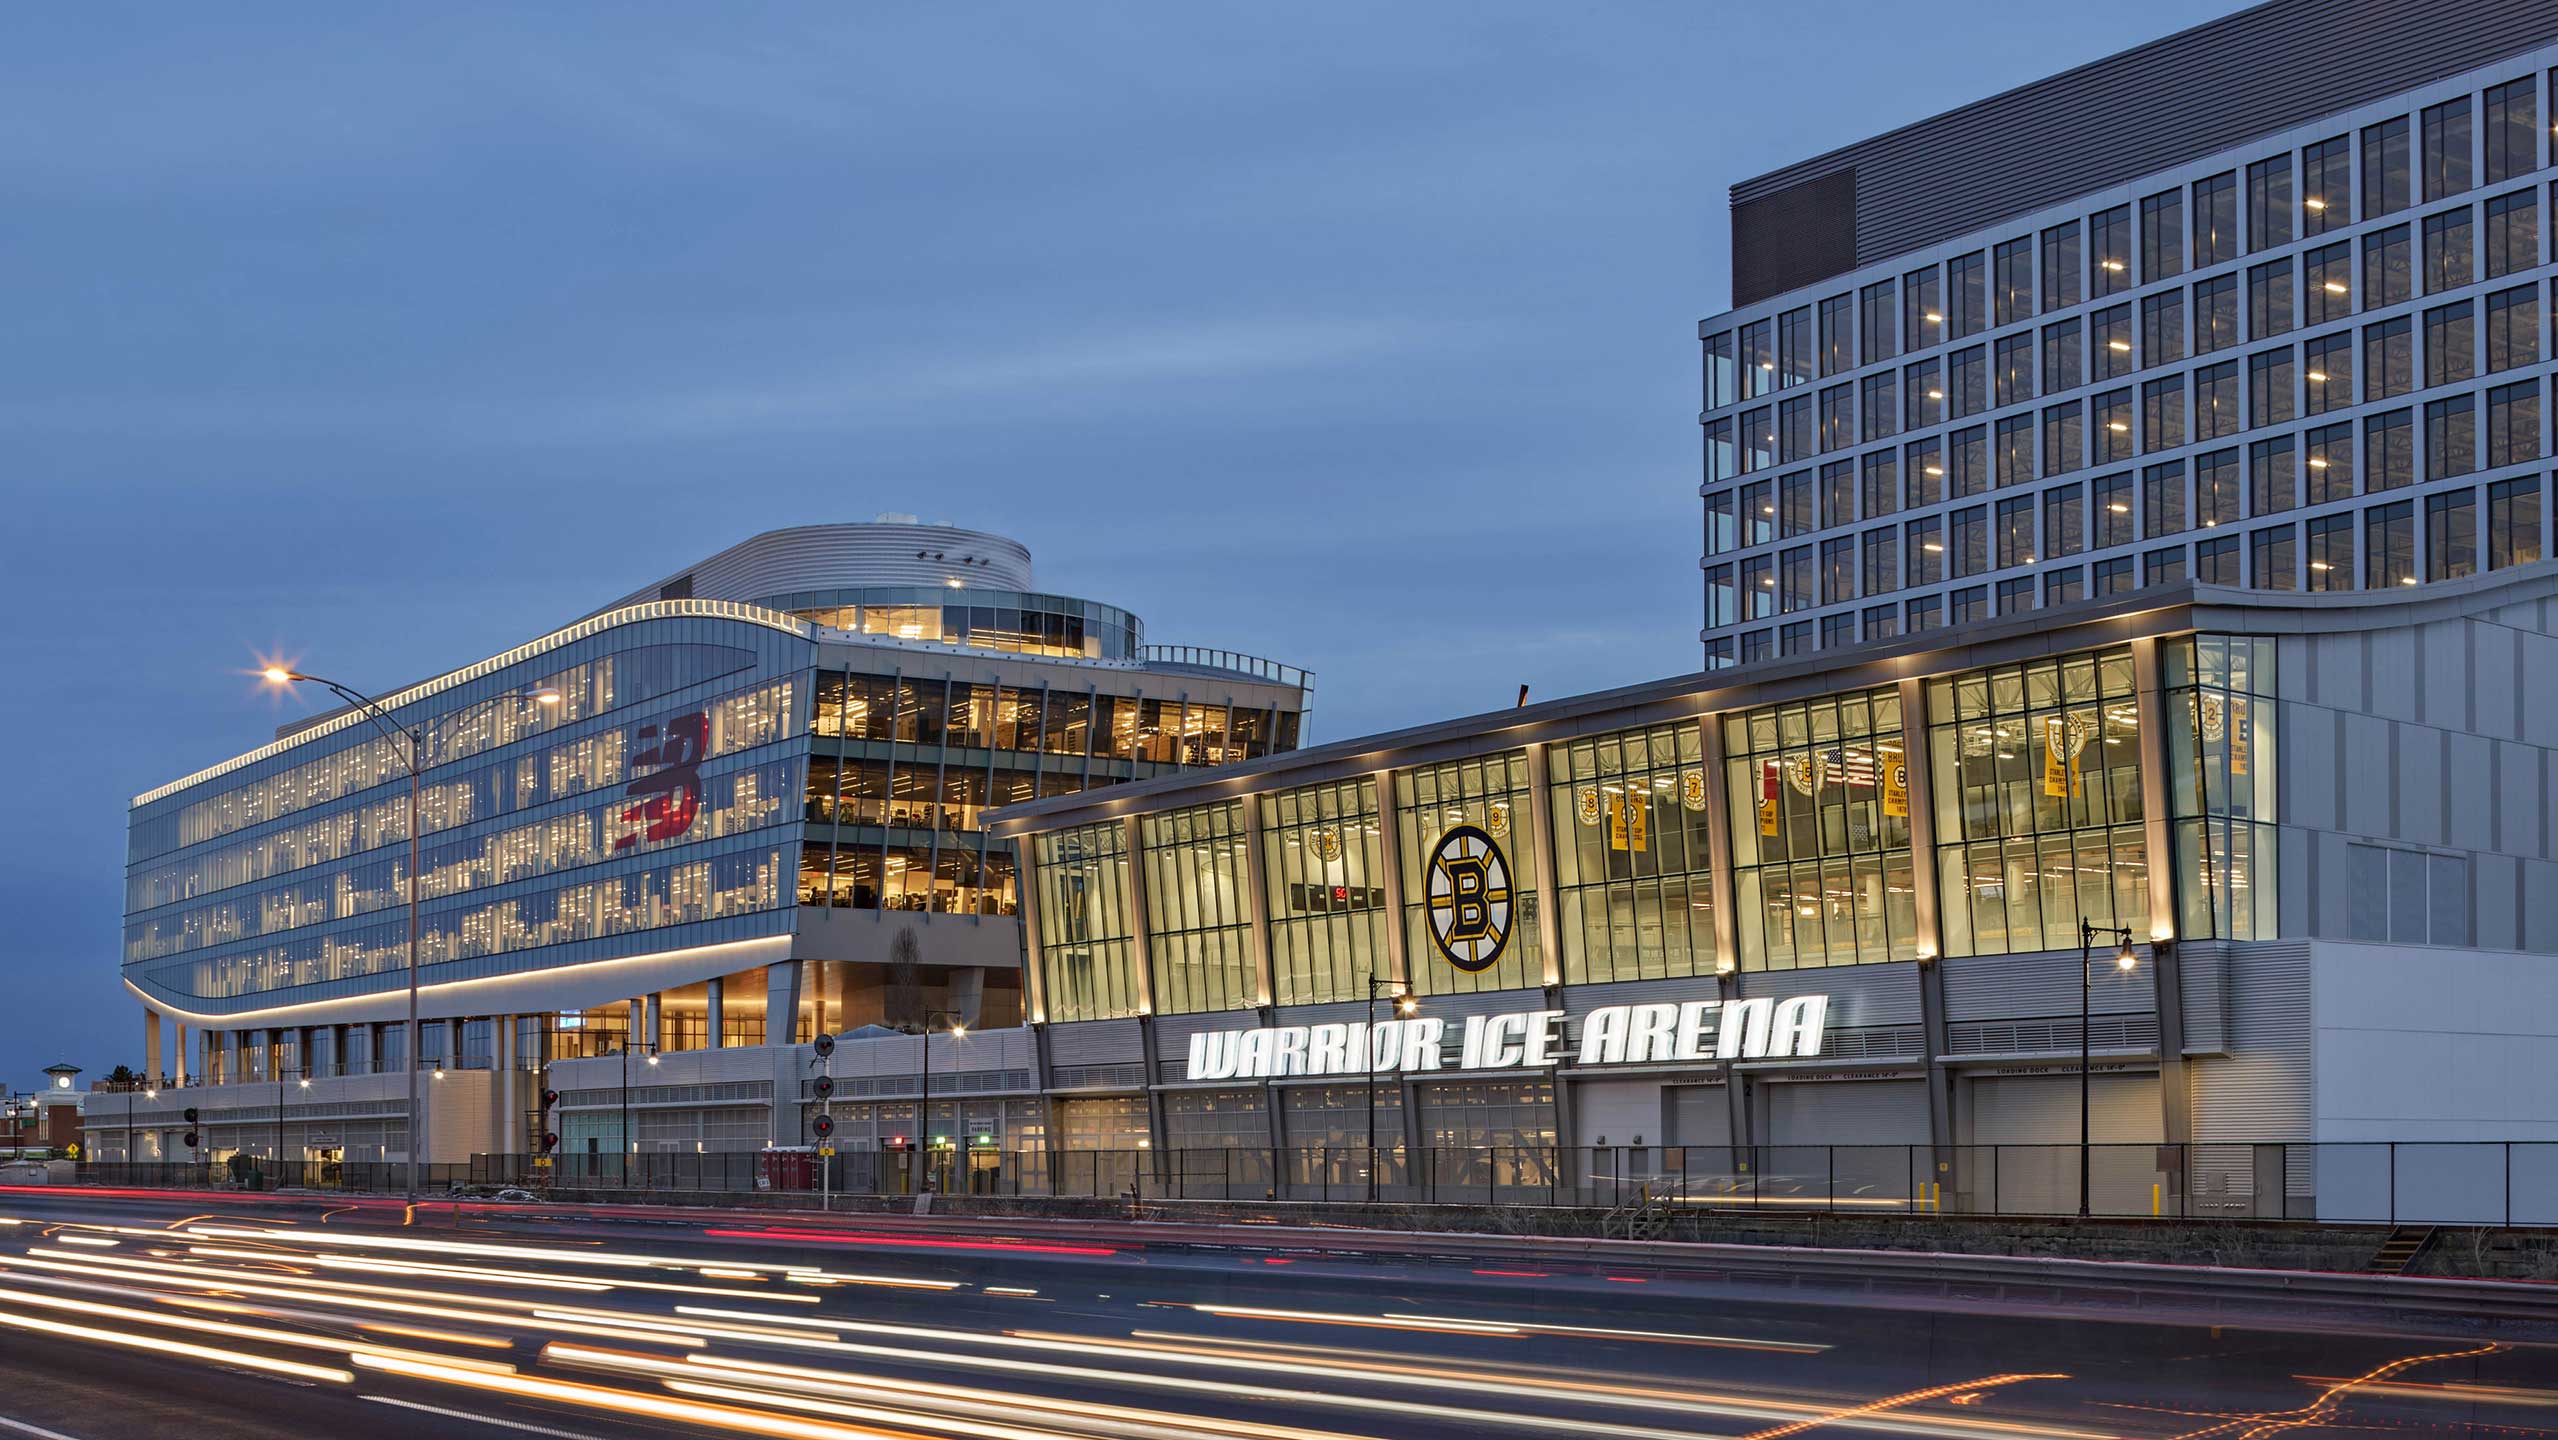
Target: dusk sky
[384, 338]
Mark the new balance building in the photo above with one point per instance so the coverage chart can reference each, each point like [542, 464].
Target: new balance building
[727, 812]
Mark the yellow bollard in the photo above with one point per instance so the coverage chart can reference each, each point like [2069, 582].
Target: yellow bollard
[2153, 1200]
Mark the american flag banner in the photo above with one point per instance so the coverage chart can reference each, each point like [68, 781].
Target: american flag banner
[1854, 767]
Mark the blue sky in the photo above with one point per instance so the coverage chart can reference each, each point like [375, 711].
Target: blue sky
[1362, 336]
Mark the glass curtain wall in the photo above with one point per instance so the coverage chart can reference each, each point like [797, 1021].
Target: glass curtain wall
[1086, 945]
[2038, 803]
[1198, 935]
[1821, 870]
[1634, 877]
[2221, 777]
[1491, 794]
[1324, 852]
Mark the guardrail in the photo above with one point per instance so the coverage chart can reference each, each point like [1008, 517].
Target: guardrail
[2496, 1183]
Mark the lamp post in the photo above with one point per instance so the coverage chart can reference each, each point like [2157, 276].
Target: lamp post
[410, 744]
[129, 1158]
[2124, 961]
[1406, 1005]
[924, 1105]
[630, 1142]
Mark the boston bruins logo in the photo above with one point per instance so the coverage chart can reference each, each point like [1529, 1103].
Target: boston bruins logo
[1469, 892]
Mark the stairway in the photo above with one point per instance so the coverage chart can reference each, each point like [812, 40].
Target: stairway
[2400, 1250]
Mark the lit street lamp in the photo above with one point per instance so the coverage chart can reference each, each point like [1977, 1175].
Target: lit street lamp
[1406, 1005]
[410, 744]
[924, 1105]
[630, 1141]
[2126, 962]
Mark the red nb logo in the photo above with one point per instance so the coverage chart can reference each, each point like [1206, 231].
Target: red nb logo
[669, 793]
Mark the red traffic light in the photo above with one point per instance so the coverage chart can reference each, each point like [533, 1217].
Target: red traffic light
[550, 1142]
[824, 1125]
[550, 1098]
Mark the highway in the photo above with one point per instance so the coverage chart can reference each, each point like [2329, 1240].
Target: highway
[212, 1316]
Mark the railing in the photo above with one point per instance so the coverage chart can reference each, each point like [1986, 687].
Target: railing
[2494, 1183]
[1202, 657]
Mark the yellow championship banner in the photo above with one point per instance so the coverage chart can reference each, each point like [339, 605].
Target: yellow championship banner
[2064, 737]
[1629, 822]
[1767, 798]
[1896, 787]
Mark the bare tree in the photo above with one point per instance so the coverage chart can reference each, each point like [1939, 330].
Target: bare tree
[902, 1003]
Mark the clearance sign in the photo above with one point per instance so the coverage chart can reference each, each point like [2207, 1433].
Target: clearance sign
[1652, 1034]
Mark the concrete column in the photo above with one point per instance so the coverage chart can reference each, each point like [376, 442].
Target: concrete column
[507, 1106]
[1034, 977]
[781, 1002]
[150, 1047]
[636, 1031]
[965, 995]
[1718, 850]
[1390, 859]
[1141, 951]
[181, 1076]
[650, 1035]
[1541, 833]
[1921, 791]
[2176, 1112]
[1256, 909]
[714, 990]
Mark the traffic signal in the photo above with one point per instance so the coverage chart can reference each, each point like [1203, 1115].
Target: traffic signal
[191, 1140]
[824, 1125]
[824, 1045]
[824, 1085]
[550, 1098]
[190, 1119]
[550, 1142]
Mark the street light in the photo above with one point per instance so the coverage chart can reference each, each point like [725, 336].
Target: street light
[630, 1142]
[410, 745]
[924, 1105]
[2126, 962]
[1406, 1005]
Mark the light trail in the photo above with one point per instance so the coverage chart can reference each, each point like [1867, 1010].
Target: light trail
[156, 1345]
[625, 1402]
[605, 1258]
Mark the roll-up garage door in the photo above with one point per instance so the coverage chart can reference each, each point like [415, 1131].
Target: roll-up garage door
[2023, 1156]
[2043, 1110]
[1847, 1112]
[1700, 1115]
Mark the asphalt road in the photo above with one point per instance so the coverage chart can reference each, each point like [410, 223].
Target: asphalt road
[219, 1317]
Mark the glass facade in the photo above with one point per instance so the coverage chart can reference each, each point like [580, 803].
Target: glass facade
[1324, 855]
[2036, 775]
[1197, 937]
[1012, 622]
[1821, 869]
[1491, 794]
[1634, 877]
[2221, 784]
[1086, 938]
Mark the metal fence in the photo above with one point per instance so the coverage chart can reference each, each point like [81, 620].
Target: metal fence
[2406, 1182]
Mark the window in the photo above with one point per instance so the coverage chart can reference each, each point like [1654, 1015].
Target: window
[2016, 442]
[2113, 426]
[2064, 521]
[2326, 185]
[1967, 281]
[1838, 631]
[2389, 451]
[2163, 413]
[2273, 475]
[2447, 148]
[1722, 602]
[2012, 287]
[2513, 233]
[1838, 494]
[1970, 604]
[1925, 551]
[1880, 405]
[2215, 314]
[1922, 309]
[2035, 771]
[1794, 348]
[1922, 395]
[2162, 236]
[2451, 535]
[1797, 431]
[2109, 241]
[1882, 622]
[1838, 570]
[1722, 461]
[2389, 276]
[2451, 437]
[1882, 483]
[1967, 370]
[2269, 203]
[2330, 373]
[2513, 423]
[2450, 251]
[1722, 526]
[2216, 562]
[2513, 328]
[2513, 523]
[2389, 545]
[2511, 130]
[1876, 309]
[2012, 367]
[1721, 372]
[2270, 388]
[1926, 613]
[1491, 793]
[2221, 772]
[2061, 358]
[2385, 168]
[2163, 499]
[1757, 645]
[1838, 335]
[1196, 929]
[2389, 359]
[2331, 553]
[2114, 577]
[2110, 500]
[1758, 587]
[2215, 220]
[2451, 343]
[1758, 514]
[2064, 586]
[2216, 401]
[2163, 567]
[1758, 439]
[2409, 897]
[1758, 359]
[1923, 471]
[2016, 596]
[2015, 532]
[1819, 814]
[1968, 451]
[2163, 328]
[2331, 284]
[2064, 440]
[2110, 335]
[2269, 298]
[1838, 409]
[1085, 944]
[2272, 560]
[2331, 464]
[1882, 561]
[2216, 489]
[1799, 512]
[2061, 267]
[1971, 539]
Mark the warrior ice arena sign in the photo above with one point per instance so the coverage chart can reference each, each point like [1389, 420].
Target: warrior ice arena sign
[1761, 1029]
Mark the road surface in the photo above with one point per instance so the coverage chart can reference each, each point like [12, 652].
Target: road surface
[125, 1316]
